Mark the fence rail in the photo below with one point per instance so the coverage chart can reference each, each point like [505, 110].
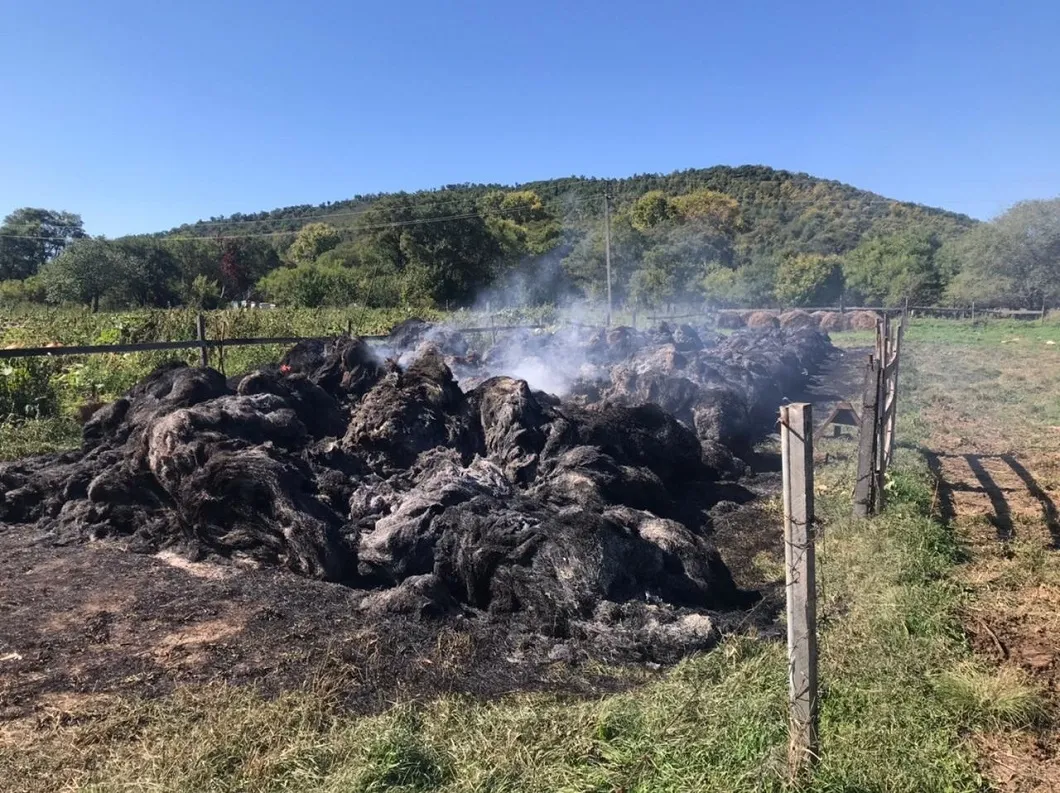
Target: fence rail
[206, 344]
[967, 311]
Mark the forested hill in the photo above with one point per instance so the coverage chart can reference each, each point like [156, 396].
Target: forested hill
[727, 236]
[781, 211]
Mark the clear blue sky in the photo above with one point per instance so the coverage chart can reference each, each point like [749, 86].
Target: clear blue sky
[143, 115]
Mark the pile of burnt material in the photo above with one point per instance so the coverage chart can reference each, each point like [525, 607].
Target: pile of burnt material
[578, 518]
[726, 389]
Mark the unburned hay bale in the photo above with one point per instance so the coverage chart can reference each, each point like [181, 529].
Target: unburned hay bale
[831, 321]
[796, 319]
[863, 320]
[762, 319]
[732, 320]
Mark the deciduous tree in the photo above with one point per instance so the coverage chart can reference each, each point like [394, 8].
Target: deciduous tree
[30, 237]
[313, 240]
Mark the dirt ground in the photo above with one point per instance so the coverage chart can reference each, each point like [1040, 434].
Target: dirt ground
[987, 417]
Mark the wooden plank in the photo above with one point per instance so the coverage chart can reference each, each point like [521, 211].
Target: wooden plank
[892, 408]
[879, 465]
[796, 442]
[865, 484]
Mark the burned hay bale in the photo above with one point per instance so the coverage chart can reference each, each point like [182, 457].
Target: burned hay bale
[435, 498]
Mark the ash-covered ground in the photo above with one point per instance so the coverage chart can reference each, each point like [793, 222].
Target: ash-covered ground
[434, 485]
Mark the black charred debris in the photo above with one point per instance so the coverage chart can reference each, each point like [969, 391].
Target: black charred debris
[581, 516]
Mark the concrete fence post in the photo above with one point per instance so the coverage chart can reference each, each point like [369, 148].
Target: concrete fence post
[796, 443]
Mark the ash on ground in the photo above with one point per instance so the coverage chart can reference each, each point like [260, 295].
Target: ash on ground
[438, 488]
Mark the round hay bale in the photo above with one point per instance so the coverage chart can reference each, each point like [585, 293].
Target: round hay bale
[863, 320]
[796, 319]
[831, 321]
[732, 320]
[762, 319]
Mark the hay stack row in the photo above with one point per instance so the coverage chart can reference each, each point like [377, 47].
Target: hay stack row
[827, 321]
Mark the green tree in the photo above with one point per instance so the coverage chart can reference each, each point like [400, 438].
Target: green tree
[194, 258]
[346, 254]
[808, 279]
[313, 240]
[203, 292]
[28, 290]
[86, 272]
[1014, 260]
[895, 268]
[445, 244]
[650, 287]
[586, 264]
[721, 212]
[652, 209]
[153, 276]
[520, 222]
[750, 285]
[30, 237]
[310, 286]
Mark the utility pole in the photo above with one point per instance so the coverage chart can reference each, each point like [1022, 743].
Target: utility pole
[607, 248]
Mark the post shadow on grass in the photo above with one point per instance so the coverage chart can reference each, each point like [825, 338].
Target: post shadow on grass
[943, 489]
[1001, 518]
[1049, 511]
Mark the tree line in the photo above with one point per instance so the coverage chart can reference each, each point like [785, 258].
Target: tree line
[728, 236]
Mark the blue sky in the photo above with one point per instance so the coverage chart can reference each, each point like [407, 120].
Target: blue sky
[143, 115]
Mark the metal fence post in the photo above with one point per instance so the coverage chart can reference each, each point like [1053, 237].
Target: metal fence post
[796, 443]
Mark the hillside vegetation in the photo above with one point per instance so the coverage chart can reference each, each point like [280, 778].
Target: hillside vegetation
[727, 236]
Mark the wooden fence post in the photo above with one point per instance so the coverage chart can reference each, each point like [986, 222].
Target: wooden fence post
[796, 443]
[879, 463]
[221, 346]
[200, 334]
[865, 485]
[892, 393]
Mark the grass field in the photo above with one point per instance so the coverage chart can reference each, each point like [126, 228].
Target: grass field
[917, 696]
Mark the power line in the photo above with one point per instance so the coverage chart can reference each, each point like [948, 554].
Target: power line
[323, 215]
[395, 224]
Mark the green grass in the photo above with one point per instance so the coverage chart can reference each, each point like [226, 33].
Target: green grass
[992, 698]
[37, 436]
[1023, 333]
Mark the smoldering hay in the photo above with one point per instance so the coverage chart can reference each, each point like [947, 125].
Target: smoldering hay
[433, 483]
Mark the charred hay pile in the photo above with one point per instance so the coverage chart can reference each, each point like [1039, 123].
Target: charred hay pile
[435, 484]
